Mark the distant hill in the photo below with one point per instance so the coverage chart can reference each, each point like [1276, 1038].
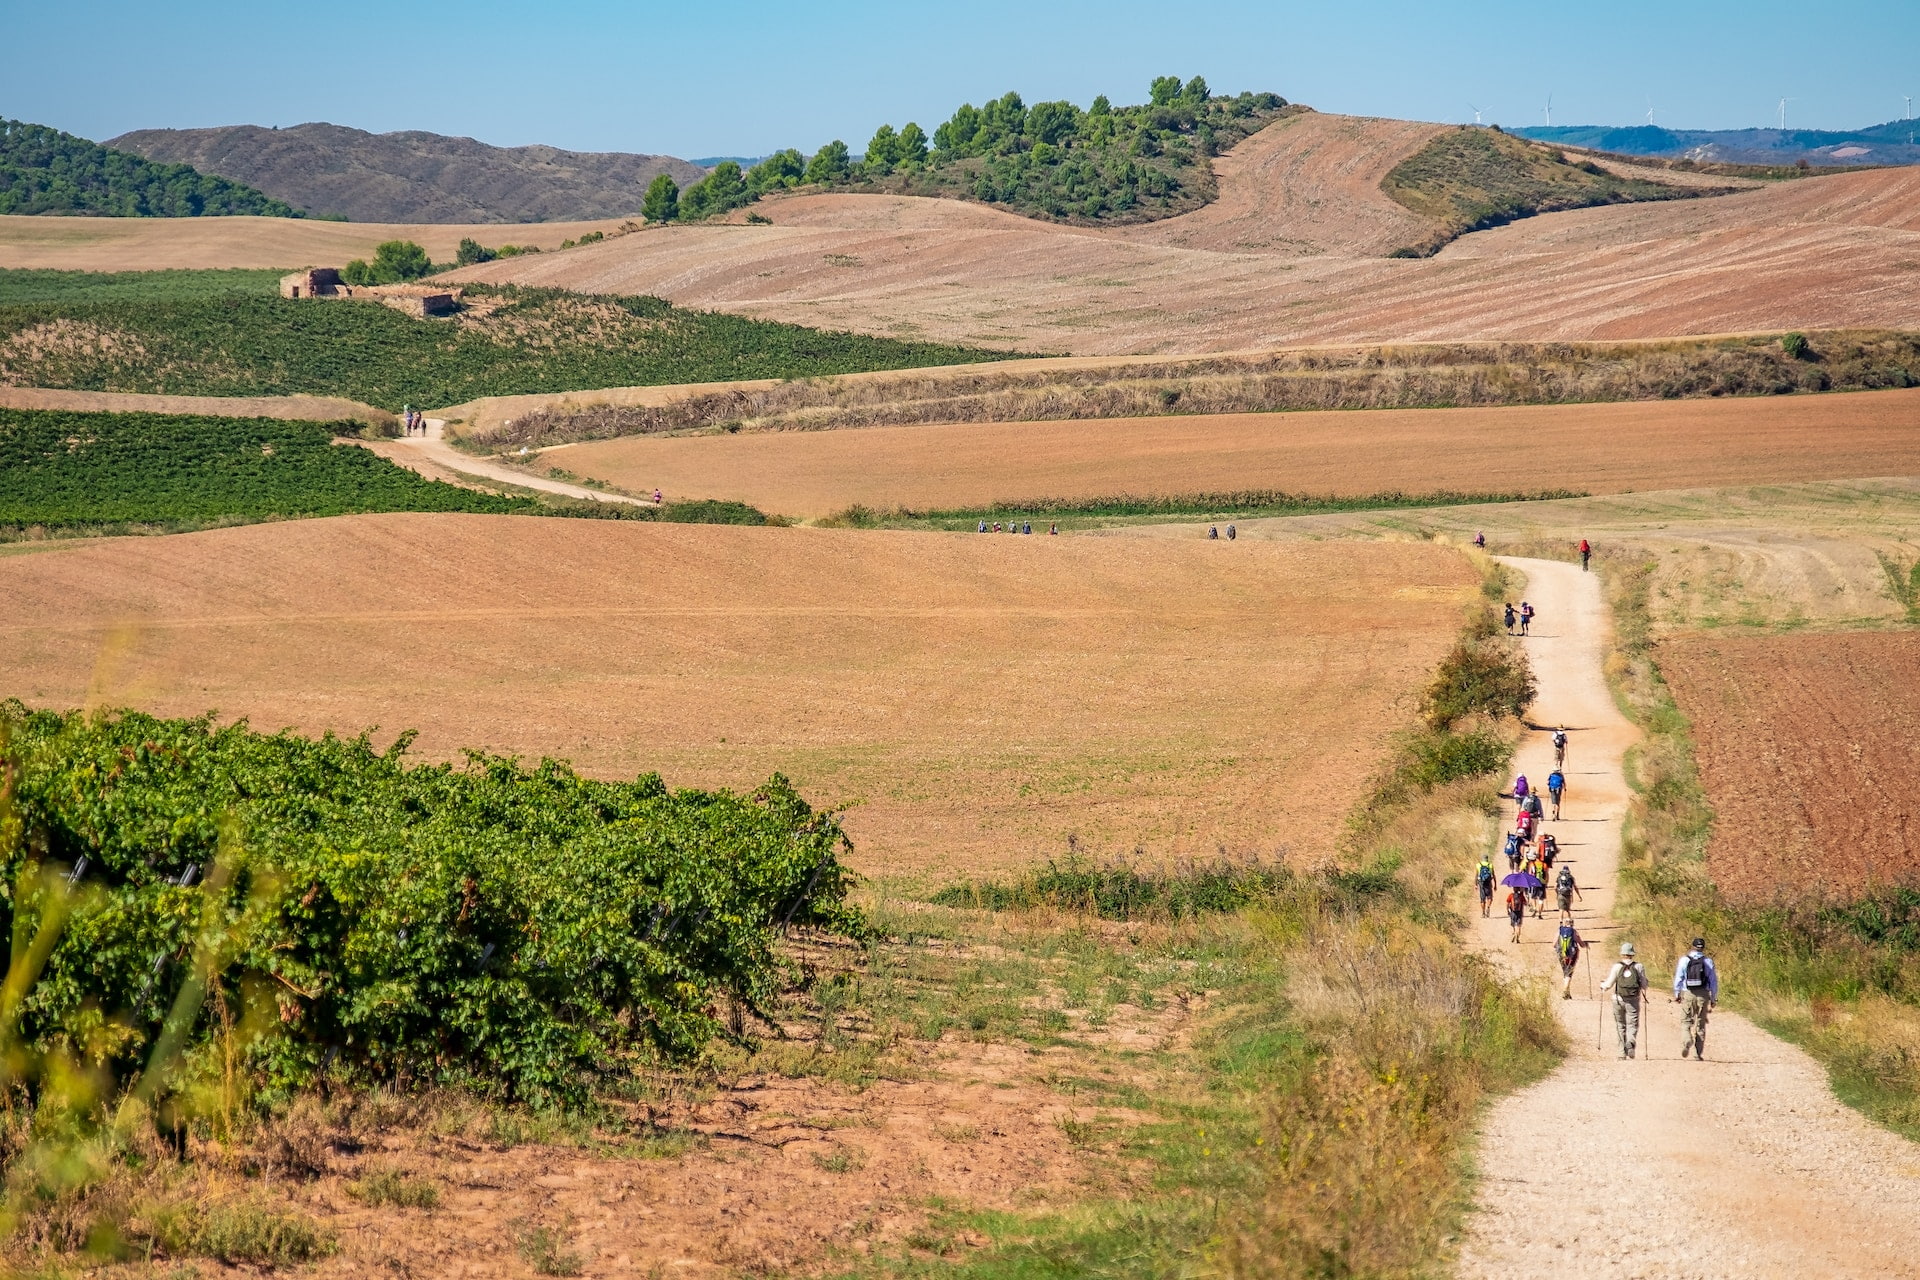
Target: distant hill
[1890, 143]
[413, 176]
[43, 170]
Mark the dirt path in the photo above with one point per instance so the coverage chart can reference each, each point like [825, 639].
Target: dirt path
[1744, 1165]
[432, 456]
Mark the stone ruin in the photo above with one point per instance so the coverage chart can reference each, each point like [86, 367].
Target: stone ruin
[417, 300]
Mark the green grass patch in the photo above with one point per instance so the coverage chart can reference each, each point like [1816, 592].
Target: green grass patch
[20, 285]
[1241, 505]
[237, 344]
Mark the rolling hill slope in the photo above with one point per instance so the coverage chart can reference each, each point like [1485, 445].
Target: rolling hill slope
[413, 176]
[1292, 252]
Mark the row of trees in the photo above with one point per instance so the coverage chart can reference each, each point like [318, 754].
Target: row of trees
[1050, 158]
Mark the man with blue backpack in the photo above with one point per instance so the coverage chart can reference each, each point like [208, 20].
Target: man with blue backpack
[1556, 787]
[1483, 883]
[1696, 985]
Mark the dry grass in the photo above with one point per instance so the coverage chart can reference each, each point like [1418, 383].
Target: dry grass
[975, 700]
[1595, 448]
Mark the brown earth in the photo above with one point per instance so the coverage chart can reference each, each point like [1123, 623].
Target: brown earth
[153, 244]
[1595, 448]
[1809, 746]
[1290, 253]
[975, 699]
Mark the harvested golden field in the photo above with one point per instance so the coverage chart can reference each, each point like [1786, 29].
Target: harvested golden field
[153, 244]
[976, 699]
[1596, 448]
[1292, 252]
[1809, 747]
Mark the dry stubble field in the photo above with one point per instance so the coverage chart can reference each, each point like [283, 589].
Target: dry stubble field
[1809, 747]
[977, 699]
[1596, 448]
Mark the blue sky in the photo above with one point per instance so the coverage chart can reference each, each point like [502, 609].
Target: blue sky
[702, 78]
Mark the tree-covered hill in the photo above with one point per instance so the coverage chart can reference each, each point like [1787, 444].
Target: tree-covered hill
[1104, 164]
[43, 170]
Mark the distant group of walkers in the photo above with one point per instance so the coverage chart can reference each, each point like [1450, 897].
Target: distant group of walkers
[1016, 526]
[1523, 615]
[1213, 532]
[1531, 854]
[414, 421]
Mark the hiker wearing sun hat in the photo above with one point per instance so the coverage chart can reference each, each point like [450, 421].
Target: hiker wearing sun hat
[1628, 982]
[1696, 985]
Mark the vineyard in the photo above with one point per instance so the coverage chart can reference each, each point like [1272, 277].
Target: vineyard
[319, 908]
[73, 471]
[520, 341]
[63, 470]
[28, 284]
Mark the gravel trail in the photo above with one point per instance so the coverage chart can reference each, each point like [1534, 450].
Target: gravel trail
[1742, 1165]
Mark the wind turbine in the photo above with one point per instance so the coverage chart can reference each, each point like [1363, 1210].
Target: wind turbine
[1783, 113]
[1476, 113]
[1649, 110]
[1549, 111]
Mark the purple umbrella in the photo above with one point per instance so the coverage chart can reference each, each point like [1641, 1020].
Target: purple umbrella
[1523, 880]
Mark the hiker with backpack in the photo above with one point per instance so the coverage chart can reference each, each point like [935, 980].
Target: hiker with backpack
[1567, 947]
[1566, 890]
[1520, 787]
[1516, 910]
[1538, 892]
[1535, 808]
[1586, 554]
[1696, 984]
[1510, 617]
[1549, 849]
[1526, 616]
[1627, 980]
[1556, 787]
[1483, 884]
[1513, 850]
[1560, 747]
[1480, 541]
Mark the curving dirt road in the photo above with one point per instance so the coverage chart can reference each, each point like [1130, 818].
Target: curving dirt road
[434, 458]
[1742, 1165]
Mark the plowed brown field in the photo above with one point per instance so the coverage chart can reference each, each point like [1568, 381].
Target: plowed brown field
[978, 699]
[152, 244]
[1809, 747]
[1292, 252]
[1596, 448]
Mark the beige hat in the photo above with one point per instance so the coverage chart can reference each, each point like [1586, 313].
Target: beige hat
[1626, 948]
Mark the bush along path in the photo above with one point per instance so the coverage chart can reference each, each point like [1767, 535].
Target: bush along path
[1744, 1164]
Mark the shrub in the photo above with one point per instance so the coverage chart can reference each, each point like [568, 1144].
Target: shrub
[522, 931]
[470, 252]
[1478, 679]
[235, 1233]
[1796, 346]
[391, 1187]
[1119, 891]
[1437, 759]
